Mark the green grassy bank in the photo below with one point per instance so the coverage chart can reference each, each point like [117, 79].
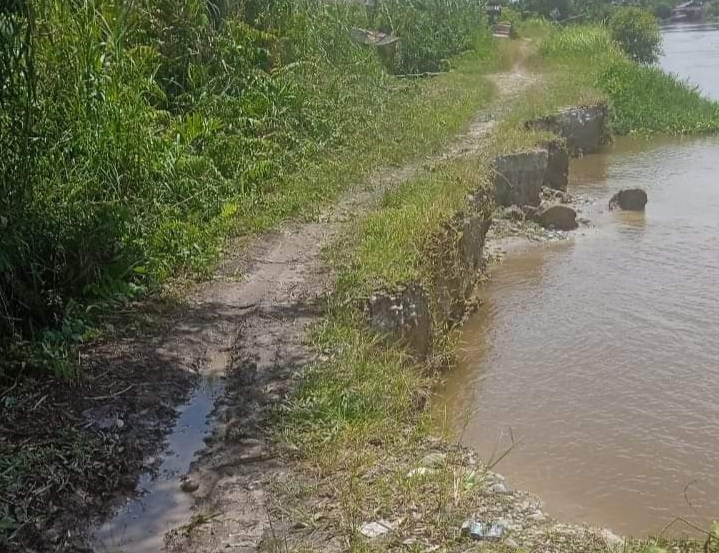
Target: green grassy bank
[173, 130]
[585, 64]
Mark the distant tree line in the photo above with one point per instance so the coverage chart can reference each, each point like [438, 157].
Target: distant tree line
[589, 10]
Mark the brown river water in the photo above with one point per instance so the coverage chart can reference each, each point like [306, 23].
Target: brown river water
[600, 354]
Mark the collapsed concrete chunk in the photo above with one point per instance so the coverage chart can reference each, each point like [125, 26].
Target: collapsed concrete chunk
[556, 216]
[585, 129]
[518, 178]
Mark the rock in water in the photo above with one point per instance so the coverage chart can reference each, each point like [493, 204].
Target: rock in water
[630, 199]
[556, 216]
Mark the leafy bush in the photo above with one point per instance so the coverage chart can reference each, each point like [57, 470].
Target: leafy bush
[637, 32]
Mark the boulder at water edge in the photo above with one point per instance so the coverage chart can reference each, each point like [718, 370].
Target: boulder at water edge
[556, 216]
[630, 199]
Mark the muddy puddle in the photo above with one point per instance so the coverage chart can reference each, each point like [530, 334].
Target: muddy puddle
[600, 355]
[161, 505]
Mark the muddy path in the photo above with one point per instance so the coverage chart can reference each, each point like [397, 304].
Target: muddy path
[284, 282]
[241, 335]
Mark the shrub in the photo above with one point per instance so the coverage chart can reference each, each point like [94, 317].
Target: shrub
[637, 32]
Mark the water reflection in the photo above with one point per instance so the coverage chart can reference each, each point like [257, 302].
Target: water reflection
[140, 525]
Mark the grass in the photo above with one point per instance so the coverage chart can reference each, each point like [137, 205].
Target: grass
[389, 246]
[418, 118]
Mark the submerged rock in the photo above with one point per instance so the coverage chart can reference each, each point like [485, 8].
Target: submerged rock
[556, 216]
[630, 199]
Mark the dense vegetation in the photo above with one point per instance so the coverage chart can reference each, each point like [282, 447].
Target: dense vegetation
[637, 33]
[137, 134]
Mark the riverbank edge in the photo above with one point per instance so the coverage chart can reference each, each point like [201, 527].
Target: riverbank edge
[409, 464]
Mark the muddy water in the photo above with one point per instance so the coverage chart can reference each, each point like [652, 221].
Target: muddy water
[601, 355]
[140, 525]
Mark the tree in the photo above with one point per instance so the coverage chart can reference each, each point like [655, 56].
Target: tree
[637, 32]
[663, 10]
[551, 9]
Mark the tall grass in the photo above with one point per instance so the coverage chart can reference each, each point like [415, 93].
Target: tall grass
[431, 31]
[139, 133]
[578, 42]
[647, 100]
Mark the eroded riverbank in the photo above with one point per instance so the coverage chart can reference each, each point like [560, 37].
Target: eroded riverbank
[599, 352]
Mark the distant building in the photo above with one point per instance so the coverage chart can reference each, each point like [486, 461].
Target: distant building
[689, 11]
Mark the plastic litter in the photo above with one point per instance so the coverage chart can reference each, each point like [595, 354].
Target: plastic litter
[484, 531]
[376, 529]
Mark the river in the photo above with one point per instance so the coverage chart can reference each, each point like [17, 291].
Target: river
[600, 355]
